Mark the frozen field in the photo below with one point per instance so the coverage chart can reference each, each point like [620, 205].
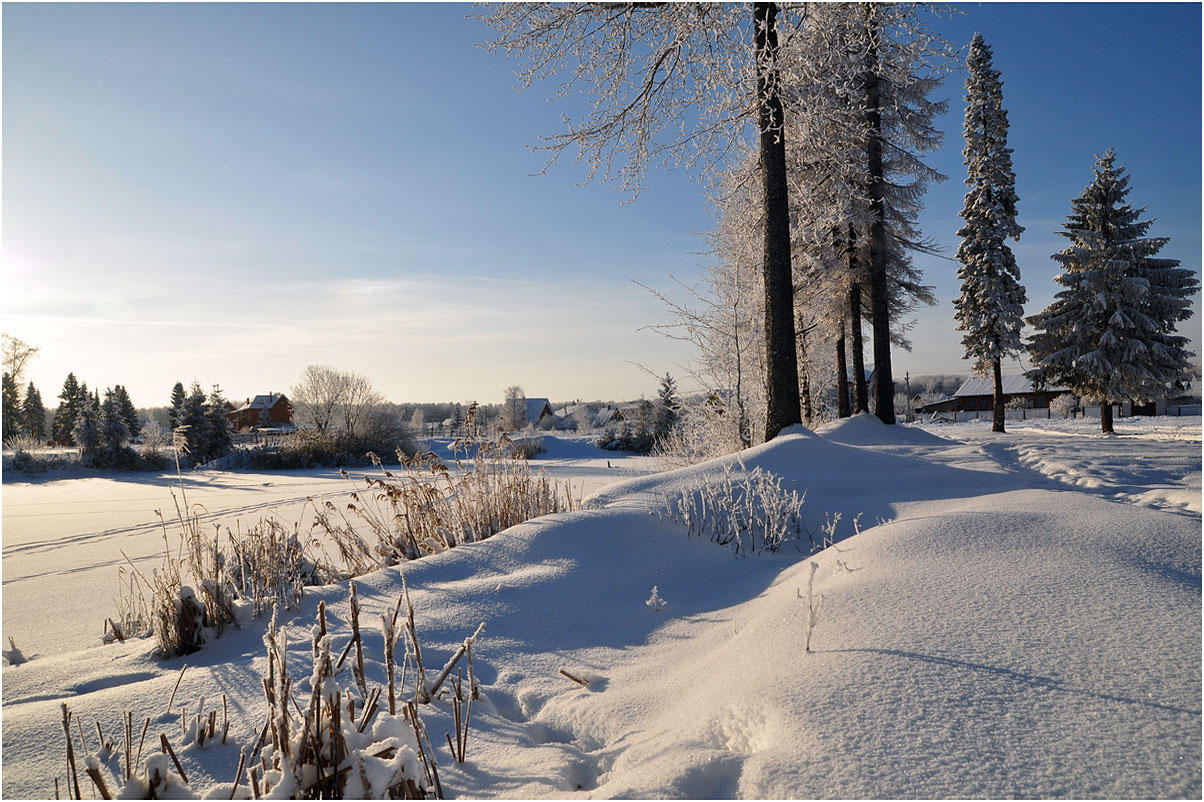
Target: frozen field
[1018, 616]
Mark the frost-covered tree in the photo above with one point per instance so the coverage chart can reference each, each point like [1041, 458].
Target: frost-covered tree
[221, 439]
[17, 354]
[114, 433]
[86, 431]
[33, 414]
[991, 307]
[514, 409]
[11, 412]
[178, 397]
[666, 410]
[194, 424]
[71, 398]
[1110, 334]
[128, 412]
[677, 82]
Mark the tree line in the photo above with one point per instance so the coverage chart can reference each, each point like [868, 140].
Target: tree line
[809, 124]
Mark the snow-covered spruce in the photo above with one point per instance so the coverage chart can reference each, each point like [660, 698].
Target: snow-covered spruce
[991, 306]
[1110, 334]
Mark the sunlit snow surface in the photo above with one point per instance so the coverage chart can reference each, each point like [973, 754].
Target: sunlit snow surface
[1019, 616]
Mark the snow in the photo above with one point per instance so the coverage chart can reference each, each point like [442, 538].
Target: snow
[1012, 616]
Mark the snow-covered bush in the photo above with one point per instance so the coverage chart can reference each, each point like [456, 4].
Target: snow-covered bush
[702, 432]
[749, 511]
[1063, 405]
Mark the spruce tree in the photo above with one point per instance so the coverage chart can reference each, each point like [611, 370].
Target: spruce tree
[220, 440]
[114, 433]
[1110, 334]
[178, 396]
[10, 415]
[86, 431]
[70, 399]
[991, 307]
[33, 414]
[194, 416]
[128, 412]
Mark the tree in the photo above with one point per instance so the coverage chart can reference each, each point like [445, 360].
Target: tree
[86, 431]
[71, 399]
[33, 414]
[514, 409]
[318, 396]
[11, 412]
[220, 440]
[128, 412]
[991, 307]
[194, 424]
[17, 354]
[667, 410]
[178, 396]
[676, 83]
[113, 431]
[1110, 334]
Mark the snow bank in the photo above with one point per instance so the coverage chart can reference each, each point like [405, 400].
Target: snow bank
[1001, 633]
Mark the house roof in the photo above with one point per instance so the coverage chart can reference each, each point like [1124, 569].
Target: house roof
[1012, 385]
[537, 408]
[262, 402]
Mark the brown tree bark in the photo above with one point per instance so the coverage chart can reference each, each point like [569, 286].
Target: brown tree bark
[999, 411]
[782, 390]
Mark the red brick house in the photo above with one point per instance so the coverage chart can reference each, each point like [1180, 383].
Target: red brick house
[266, 411]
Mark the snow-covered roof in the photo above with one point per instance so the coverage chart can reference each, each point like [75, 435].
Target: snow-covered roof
[537, 408]
[1012, 385]
[262, 402]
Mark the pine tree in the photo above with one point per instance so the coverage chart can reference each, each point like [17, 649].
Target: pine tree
[178, 397]
[1110, 335]
[33, 414]
[128, 412]
[991, 307]
[71, 397]
[10, 415]
[86, 431]
[220, 440]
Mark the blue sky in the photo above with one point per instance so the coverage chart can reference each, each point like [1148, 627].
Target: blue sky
[230, 192]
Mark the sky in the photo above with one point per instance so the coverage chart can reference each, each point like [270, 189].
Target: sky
[227, 193]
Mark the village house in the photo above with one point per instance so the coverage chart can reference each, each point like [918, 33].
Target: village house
[269, 411]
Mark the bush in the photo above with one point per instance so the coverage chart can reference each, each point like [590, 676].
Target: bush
[313, 449]
[427, 508]
[748, 511]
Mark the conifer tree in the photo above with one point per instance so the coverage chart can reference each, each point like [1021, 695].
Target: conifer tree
[128, 412]
[86, 431]
[220, 440]
[114, 433]
[991, 307]
[1110, 334]
[71, 397]
[194, 416]
[178, 397]
[10, 415]
[33, 414]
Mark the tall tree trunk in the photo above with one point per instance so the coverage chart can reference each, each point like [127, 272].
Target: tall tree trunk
[804, 378]
[884, 386]
[997, 421]
[860, 388]
[1105, 417]
[842, 377]
[782, 390]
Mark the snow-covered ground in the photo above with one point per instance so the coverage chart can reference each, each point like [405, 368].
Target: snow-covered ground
[1019, 615]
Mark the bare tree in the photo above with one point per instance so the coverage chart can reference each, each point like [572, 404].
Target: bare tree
[17, 354]
[318, 396]
[514, 409]
[675, 83]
